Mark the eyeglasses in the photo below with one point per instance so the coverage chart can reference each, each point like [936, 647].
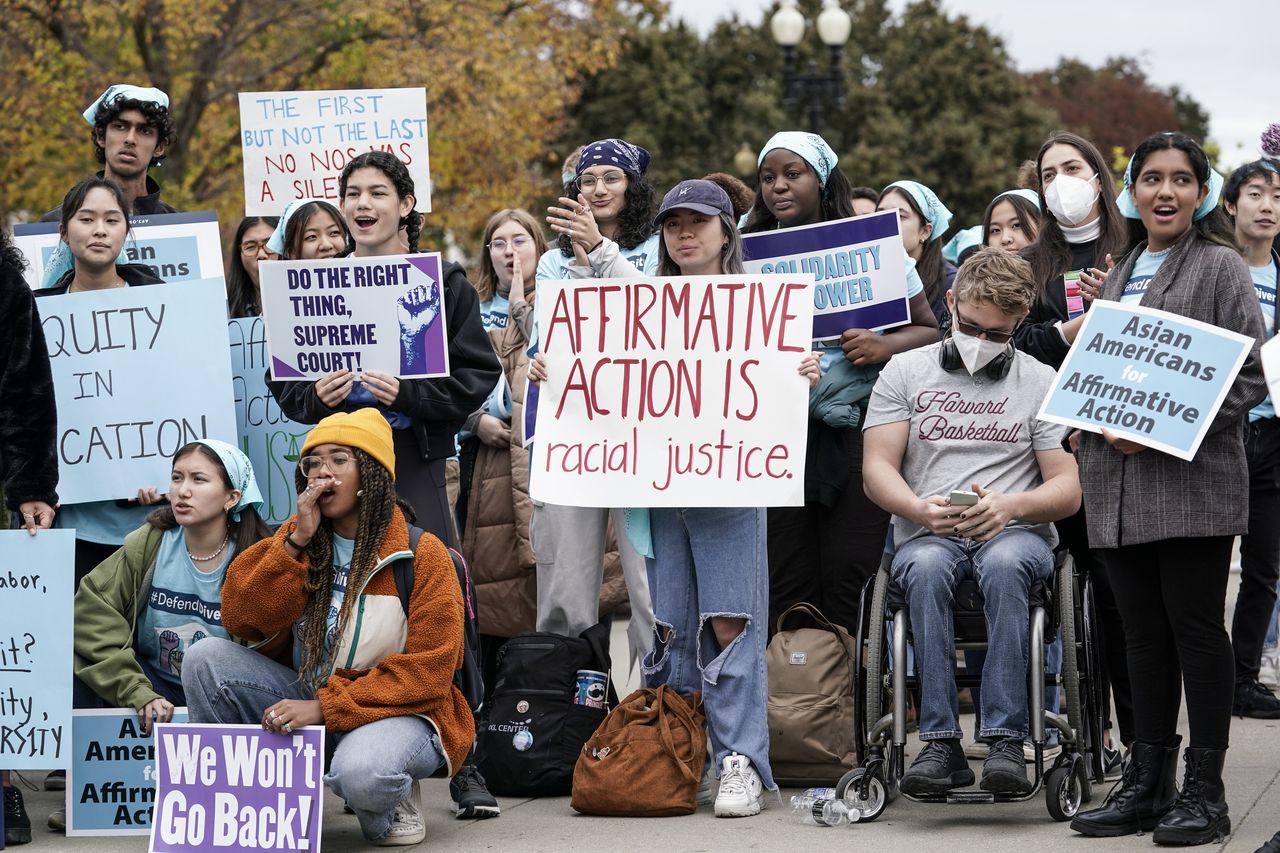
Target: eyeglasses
[252, 247]
[338, 463]
[611, 180]
[516, 243]
[996, 336]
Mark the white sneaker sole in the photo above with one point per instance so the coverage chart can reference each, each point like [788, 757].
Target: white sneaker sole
[474, 812]
[740, 809]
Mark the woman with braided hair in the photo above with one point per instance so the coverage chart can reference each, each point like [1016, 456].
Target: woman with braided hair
[377, 674]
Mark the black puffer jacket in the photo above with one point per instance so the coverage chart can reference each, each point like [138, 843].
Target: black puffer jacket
[28, 413]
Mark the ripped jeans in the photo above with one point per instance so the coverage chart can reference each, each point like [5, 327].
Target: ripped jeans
[713, 562]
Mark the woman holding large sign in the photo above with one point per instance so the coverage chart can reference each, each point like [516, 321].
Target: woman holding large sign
[824, 552]
[424, 414]
[375, 669]
[1165, 527]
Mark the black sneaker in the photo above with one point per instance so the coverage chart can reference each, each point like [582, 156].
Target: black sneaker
[1004, 771]
[1112, 763]
[940, 767]
[471, 798]
[1254, 700]
[17, 826]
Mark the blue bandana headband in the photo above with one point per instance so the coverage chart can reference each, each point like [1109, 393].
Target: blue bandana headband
[115, 92]
[962, 242]
[812, 147]
[631, 159]
[276, 243]
[1030, 195]
[1124, 201]
[240, 472]
[935, 212]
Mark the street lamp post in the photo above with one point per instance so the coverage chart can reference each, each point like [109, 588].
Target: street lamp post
[787, 27]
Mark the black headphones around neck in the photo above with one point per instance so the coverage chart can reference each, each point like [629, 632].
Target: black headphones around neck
[950, 360]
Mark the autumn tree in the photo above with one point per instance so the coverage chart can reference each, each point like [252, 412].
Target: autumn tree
[498, 73]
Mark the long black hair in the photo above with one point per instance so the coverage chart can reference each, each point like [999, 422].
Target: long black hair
[1028, 215]
[243, 295]
[932, 267]
[248, 530]
[301, 218]
[389, 165]
[835, 199]
[1213, 227]
[635, 220]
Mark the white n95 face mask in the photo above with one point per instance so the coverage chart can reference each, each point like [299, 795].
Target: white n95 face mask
[1070, 199]
[976, 353]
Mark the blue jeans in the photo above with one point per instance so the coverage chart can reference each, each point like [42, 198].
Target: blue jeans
[373, 766]
[928, 569]
[712, 562]
[1273, 634]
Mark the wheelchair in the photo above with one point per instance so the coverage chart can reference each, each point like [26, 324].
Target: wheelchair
[1066, 601]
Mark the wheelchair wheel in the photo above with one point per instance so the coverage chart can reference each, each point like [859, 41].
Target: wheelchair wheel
[873, 708]
[849, 789]
[1070, 655]
[1064, 790]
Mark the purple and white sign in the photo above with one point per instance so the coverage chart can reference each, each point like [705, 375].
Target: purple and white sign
[237, 788]
[357, 314]
[857, 268]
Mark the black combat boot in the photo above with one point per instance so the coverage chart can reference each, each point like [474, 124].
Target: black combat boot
[1139, 801]
[1200, 814]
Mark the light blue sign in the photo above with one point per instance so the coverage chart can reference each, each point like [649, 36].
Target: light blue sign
[266, 434]
[111, 786]
[1146, 375]
[35, 648]
[138, 372]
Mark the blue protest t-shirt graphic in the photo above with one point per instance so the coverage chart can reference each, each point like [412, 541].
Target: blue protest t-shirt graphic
[1144, 269]
[183, 606]
[494, 314]
[342, 551]
[1264, 284]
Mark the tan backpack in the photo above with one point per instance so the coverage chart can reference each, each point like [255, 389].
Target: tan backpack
[811, 696]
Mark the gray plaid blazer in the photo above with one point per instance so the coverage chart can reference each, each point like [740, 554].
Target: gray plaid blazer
[1151, 495]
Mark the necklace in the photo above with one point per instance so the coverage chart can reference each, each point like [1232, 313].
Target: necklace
[195, 559]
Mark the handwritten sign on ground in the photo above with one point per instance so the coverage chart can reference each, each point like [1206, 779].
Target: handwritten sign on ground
[177, 246]
[1147, 375]
[237, 788]
[357, 314]
[135, 380]
[111, 785]
[672, 391]
[856, 267]
[35, 648]
[296, 144]
[266, 435]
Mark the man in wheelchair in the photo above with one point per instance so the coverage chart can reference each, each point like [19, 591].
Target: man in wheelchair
[954, 450]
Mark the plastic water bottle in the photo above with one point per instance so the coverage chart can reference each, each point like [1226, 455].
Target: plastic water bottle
[820, 811]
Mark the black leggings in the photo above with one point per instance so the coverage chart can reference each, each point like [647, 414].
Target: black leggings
[1172, 596]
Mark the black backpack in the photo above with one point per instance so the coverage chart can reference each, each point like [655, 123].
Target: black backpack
[530, 742]
[468, 677]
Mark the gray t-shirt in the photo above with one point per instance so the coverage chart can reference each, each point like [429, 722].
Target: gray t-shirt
[965, 429]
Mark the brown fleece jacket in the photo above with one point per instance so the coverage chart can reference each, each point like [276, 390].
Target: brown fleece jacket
[263, 596]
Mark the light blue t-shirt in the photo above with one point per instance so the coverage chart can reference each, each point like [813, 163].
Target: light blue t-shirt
[184, 606]
[1144, 269]
[103, 522]
[1264, 282]
[833, 353]
[342, 551]
[493, 314]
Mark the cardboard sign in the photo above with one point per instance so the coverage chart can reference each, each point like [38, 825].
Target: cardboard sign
[856, 267]
[36, 578]
[267, 436]
[1146, 375]
[672, 391]
[177, 246]
[296, 144]
[111, 785]
[237, 788]
[138, 372]
[384, 313]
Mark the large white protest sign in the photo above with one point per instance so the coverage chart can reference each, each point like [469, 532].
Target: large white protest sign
[138, 372]
[296, 144]
[856, 267]
[384, 313]
[672, 391]
[1146, 375]
[267, 436]
[35, 648]
[176, 246]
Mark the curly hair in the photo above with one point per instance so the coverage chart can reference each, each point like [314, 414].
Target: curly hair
[740, 195]
[376, 509]
[836, 199]
[389, 165]
[156, 116]
[996, 276]
[10, 258]
[635, 220]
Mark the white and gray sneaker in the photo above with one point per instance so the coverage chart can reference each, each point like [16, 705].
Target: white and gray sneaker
[407, 826]
[707, 787]
[1269, 671]
[741, 791]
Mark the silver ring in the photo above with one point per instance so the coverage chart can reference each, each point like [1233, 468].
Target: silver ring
[288, 728]
[308, 490]
[570, 233]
